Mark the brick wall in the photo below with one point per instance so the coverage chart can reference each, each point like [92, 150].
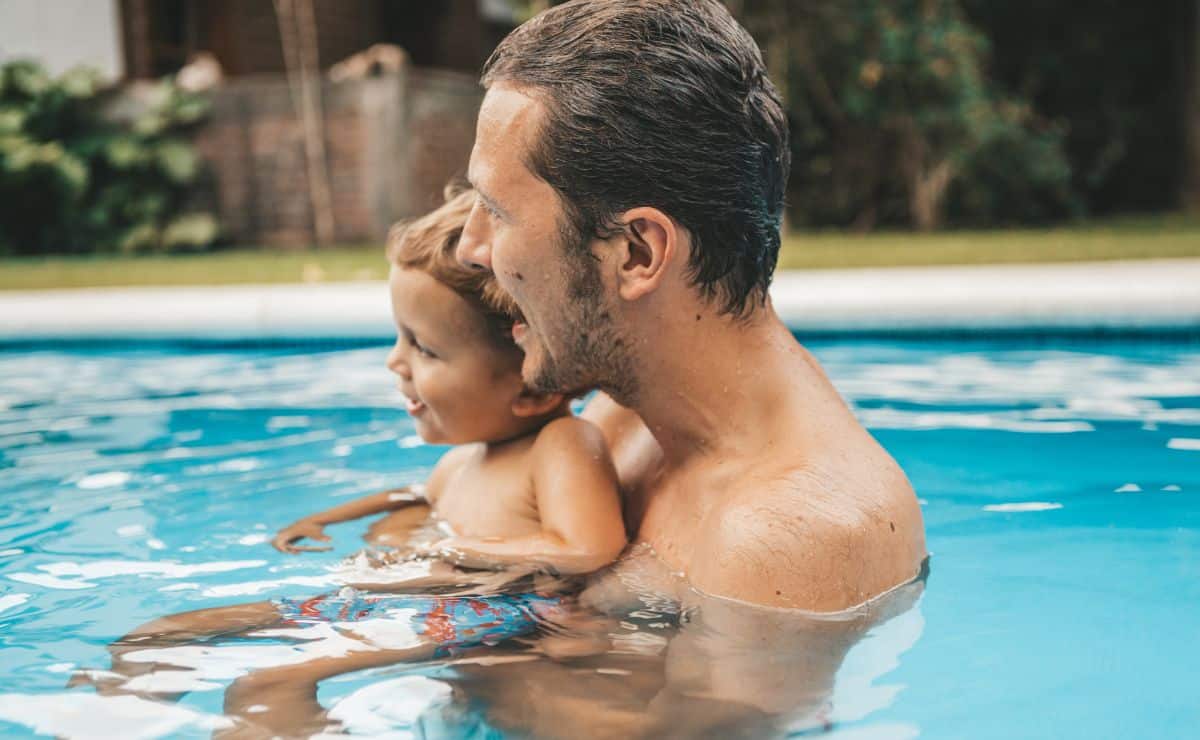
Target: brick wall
[441, 130]
[391, 145]
[159, 35]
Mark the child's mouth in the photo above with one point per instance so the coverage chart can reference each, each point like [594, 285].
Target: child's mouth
[413, 406]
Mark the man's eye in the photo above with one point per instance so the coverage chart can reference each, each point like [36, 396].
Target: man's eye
[487, 207]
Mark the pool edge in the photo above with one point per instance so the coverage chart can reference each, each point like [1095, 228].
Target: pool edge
[1100, 296]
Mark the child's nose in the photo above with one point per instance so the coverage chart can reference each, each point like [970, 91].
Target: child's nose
[397, 363]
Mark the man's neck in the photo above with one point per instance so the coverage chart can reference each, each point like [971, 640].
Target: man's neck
[707, 386]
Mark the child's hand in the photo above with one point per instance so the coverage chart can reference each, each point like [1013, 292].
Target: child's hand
[290, 534]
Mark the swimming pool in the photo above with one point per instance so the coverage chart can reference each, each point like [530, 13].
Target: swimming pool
[1059, 481]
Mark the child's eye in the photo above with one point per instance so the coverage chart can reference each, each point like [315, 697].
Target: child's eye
[420, 348]
[411, 340]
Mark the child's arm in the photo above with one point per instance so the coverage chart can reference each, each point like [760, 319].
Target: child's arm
[313, 526]
[578, 503]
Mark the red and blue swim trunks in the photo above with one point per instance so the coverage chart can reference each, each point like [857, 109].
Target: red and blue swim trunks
[447, 621]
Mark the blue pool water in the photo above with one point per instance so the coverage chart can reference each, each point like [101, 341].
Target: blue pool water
[1060, 483]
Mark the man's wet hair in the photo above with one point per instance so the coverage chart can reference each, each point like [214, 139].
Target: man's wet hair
[661, 103]
[427, 244]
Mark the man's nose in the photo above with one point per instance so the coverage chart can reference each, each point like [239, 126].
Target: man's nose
[474, 247]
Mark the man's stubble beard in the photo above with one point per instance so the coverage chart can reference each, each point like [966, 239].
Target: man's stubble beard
[593, 354]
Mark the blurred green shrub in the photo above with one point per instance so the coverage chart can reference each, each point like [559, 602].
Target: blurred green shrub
[895, 122]
[76, 176]
[1114, 79]
[1016, 173]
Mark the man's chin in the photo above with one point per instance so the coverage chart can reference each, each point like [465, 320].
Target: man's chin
[535, 378]
[539, 376]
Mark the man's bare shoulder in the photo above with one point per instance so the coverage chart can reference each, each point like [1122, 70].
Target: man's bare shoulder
[805, 541]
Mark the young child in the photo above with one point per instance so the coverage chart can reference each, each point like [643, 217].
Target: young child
[528, 483]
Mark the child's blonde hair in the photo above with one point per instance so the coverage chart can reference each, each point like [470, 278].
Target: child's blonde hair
[428, 243]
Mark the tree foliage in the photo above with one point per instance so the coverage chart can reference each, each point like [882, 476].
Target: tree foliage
[1113, 75]
[894, 118]
[73, 179]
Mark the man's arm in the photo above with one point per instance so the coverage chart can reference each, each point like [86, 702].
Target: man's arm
[635, 452]
[282, 701]
[731, 670]
[579, 508]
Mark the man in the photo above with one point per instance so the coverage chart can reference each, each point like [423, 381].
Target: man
[631, 161]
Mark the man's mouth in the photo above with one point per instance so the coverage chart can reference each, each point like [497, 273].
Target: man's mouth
[520, 326]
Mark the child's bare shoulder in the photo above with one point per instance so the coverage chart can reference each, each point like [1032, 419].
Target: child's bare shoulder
[570, 451]
[447, 466]
[571, 433]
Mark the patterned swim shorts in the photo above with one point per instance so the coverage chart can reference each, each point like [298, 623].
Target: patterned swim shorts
[446, 621]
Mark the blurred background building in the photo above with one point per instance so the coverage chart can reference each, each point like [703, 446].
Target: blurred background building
[63, 34]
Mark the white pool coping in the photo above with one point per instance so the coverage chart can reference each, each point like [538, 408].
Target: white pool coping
[1096, 296]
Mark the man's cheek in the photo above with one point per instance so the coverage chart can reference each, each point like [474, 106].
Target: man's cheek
[512, 276]
[507, 277]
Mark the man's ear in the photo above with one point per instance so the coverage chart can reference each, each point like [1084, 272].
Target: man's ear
[529, 403]
[652, 240]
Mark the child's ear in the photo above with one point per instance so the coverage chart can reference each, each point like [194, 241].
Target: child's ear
[530, 403]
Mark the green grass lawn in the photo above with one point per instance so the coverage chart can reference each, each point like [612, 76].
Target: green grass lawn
[1141, 238]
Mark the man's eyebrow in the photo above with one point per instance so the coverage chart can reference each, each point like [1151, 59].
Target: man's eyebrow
[491, 202]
